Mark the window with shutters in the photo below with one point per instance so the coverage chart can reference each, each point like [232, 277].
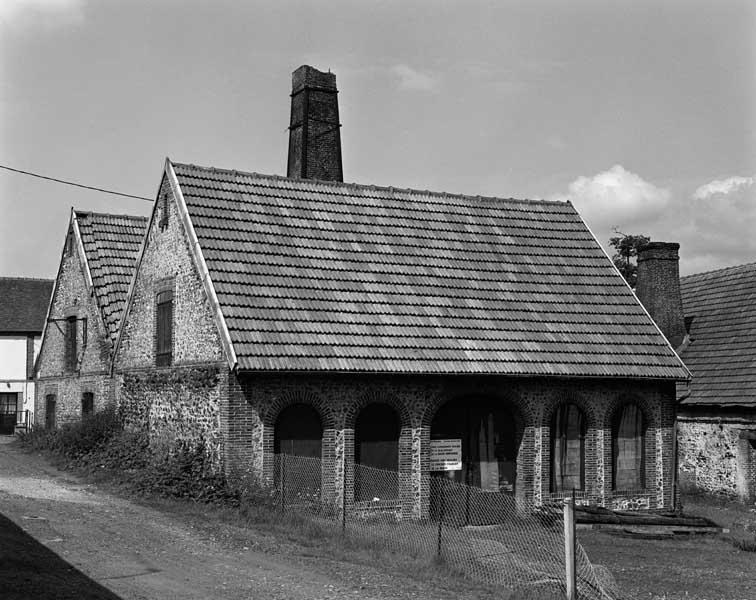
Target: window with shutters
[568, 429]
[87, 404]
[164, 212]
[70, 344]
[164, 330]
[628, 449]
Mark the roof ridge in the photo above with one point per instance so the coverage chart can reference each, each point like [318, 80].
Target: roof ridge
[720, 270]
[13, 277]
[366, 186]
[102, 214]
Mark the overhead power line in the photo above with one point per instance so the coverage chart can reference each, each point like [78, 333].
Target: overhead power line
[86, 187]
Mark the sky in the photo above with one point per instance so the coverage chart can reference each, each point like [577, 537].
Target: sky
[641, 113]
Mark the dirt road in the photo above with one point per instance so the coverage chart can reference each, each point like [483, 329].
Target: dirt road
[62, 538]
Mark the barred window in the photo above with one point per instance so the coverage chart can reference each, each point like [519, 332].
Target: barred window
[164, 335]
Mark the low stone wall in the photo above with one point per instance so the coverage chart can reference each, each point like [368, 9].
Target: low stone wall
[176, 406]
[713, 457]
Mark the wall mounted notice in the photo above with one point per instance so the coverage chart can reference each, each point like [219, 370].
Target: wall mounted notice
[446, 455]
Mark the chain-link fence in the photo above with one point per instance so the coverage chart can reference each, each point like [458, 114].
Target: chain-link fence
[481, 534]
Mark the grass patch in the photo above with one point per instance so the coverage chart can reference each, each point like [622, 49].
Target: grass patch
[738, 517]
[184, 484]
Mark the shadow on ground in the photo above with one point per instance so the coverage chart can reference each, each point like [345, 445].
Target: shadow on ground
[31, 571]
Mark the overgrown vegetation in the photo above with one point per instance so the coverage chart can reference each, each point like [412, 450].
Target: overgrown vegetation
[100, 445]
[626, 254]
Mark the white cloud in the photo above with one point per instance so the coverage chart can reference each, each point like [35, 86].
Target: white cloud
[616, 197]
[411, 79]
[713, 224]
[41, 12]
[722, 186]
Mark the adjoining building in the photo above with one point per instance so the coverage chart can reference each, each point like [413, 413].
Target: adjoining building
[23, 304]
[370, 326]
[717, 412]
[710, 318]
[96, 266]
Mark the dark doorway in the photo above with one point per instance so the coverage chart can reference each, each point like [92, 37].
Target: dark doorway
[298, 442]
[50, 411]
[299, 432]
[8, 408]
[376, 453]
[87, 404]
[489, 440]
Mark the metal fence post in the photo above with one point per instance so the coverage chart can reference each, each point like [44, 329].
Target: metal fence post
[569, 547]
[440, 514]
[343, 503]
[283, 482]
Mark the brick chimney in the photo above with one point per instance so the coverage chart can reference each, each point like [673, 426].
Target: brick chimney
[314, 136]
[658, 288]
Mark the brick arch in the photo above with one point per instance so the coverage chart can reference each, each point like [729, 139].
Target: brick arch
[373, 396]
[322, 407]
[620, 401]
[593, 419]
[523, 415]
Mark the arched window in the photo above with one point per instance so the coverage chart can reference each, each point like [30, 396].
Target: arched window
[628, 449]
[567, 449]
[376, 445]
[298, 431]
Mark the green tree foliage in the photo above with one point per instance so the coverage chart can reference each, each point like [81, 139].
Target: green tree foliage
[626, 253]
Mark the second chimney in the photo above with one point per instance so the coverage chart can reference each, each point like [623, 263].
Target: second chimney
[314, 136]
[658, 288]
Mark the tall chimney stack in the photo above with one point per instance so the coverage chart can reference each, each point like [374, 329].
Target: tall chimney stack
[314, 136]
[658, 288]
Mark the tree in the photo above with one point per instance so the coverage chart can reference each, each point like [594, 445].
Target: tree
[626, 253]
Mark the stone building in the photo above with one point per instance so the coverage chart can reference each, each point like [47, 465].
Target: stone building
[23, 305]
[366, 325]
[717, 412]
[96, 265]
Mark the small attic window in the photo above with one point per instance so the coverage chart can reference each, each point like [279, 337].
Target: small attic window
[688, 324]
[69, 243]
[164, 211]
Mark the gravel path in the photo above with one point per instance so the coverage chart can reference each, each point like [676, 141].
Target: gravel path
[77, 541]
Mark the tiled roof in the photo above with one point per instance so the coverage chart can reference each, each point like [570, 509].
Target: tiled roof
[23, 304]
[111, 244]
[342, 277]
[721, 354]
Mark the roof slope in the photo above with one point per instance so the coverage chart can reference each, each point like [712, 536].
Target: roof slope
[722, 351]
[23, 304]
[111, 245]
[329, 276]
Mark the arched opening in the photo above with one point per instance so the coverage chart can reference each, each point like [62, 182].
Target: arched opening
[628, 449]
[486, 432]
[297, 443]
[376, 453]
[298, 432]
[568, 427]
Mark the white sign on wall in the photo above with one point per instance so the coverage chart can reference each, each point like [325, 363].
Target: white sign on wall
[446, 455]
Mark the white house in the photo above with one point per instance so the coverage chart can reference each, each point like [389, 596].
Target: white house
[23, 307]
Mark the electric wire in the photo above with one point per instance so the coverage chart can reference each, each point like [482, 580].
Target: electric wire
[73, 183]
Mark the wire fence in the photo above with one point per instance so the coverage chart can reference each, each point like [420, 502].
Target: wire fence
[483, 535]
